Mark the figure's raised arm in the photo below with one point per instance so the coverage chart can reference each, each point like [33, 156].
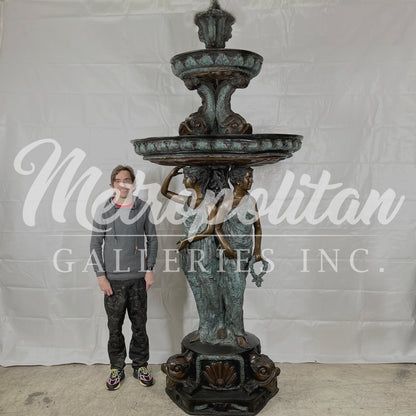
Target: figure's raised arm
[165, 185]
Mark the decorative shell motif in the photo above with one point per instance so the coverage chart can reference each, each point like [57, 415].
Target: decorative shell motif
[220, 374]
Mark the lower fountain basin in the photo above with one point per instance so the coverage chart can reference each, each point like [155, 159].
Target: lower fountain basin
[245, 149]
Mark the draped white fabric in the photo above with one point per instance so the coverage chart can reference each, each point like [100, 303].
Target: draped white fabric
[80, 79]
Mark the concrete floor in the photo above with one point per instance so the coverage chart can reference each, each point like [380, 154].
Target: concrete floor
[305, 389]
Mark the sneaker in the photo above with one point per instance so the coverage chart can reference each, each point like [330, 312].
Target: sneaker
[144, 376]
[113, 382]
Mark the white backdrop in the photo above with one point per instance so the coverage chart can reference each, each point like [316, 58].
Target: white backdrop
[80, 79]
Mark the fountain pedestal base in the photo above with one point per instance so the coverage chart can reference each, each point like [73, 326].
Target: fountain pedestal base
[220, 379]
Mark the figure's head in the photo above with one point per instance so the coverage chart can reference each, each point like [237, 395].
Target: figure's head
[196, 176]
[241, 176]
[122, 180]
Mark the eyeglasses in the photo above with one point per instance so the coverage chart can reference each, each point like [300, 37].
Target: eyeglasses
[127, 180]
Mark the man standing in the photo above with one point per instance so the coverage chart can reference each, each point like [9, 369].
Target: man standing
[123, 251]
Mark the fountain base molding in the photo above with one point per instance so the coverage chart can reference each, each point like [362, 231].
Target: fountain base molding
[221, 379]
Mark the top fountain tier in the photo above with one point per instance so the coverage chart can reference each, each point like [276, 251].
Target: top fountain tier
[215, 134]
[215, 72]
[215, 62]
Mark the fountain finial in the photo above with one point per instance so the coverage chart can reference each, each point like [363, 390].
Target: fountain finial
[215, 4]
[214, 26]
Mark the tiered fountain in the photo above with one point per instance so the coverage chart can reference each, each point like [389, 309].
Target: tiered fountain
[220, 369]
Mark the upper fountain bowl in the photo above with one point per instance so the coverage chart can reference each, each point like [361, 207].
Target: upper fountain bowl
[214, 62]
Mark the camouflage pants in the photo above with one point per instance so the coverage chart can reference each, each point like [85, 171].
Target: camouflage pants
[130, 296]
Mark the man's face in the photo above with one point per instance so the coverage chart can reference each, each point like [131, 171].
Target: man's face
[123, 184]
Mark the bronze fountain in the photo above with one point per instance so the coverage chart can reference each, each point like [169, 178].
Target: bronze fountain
[220, 370]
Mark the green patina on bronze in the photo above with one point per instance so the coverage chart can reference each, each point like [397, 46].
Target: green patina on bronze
[221, 369]
[215, 134]
[215, 73]
[254, 150]
[214, 26]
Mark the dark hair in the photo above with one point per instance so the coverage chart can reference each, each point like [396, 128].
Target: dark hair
[219, 179]
[120, 168]
[200, 175]
[237, 173]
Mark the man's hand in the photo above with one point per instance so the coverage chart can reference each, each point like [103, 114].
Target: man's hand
[149, 278]
[105, 285]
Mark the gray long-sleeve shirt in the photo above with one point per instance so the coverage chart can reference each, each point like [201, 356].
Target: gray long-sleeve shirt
[123, 241]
